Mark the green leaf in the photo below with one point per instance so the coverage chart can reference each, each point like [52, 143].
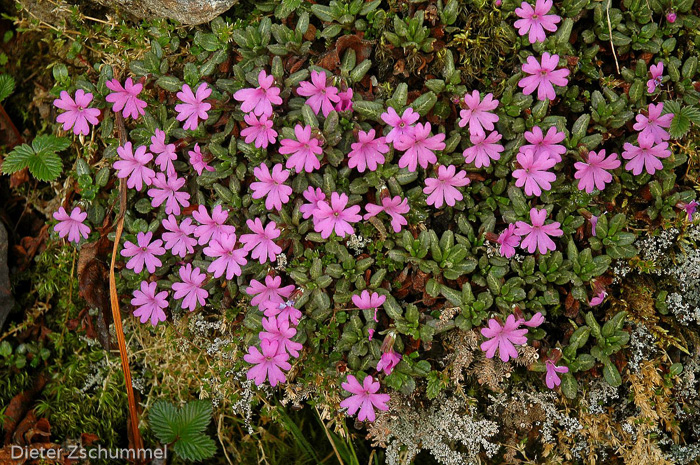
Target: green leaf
[18, 159]
[40, 158]
[569, 386]
[196, 447]
[45, 167]
[194, 417]
[48, 143]
[162, 418]
[7, 86]
[680, 125]
[612, 375]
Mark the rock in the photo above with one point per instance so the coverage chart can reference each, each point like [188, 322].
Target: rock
[185, 11]
[6, 300]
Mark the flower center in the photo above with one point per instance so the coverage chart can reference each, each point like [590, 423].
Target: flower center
[543, 72]
[402, 125]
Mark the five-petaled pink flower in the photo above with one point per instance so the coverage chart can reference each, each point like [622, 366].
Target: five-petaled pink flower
[395, 207]
[77, 115]
[190, 288]
[367, 301]
[268, 292]
[533, 173]
[177, 238]
[261, 242]
[545, 145]
[280, 331]
[646, 155]
[285, 311]
[538, 233]
[268, 364]
[594, 174]
[71, 226]
[508, 241]
[367, 152]
[657, 74]
[313, 197]
[335, 217]
[364, 398]
[167, 190]
[304, 150]
[211, 227]
[543, 76]
[400, 125]
[536, 20]
[125, 99]
[193, 108]
[132, 165]
[271, 185]
[478, 113]
[443, 189]
[654, 124]
[228, 259]
[166, 152]
[503, 338]
[320, 96]
[149, 304]
[419, 147]
[259, 100]
[143, 253]
[388, 361]
[484, 149]
[259, 131]
[552, 378]
[197, 160]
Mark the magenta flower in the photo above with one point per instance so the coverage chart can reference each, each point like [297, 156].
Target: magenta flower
[484, 149]
[552, 379]
[167, 190]
[261, 241]
[657, 74]
[193, 108]
[594, 174]
[388, 361]
[143, 253]
[268, 292]
[228, 260]
[443, 189]
[190, 289]
[598, 299]
[197, 160]
[533, 173]
[508, 241]
[335, 217]
[503, 338]
[77, 115]
[536, 20]
[538, 233]
[594, 222]
[368, 152]
[367, 301]
[646, 155]
[671, 16]
[304, 150]
[259, 131]
[545, 145]
[271, 186]
[211, 227]
[166, 153]
[260, 99]
[345, 103]
[320, 96]
[125, 99]
[419, 147]
[313, 197]
[177, 238]
[71, 226]
[394, 207]
[285, 311]
[268, 364]
[150, 305]
[689, 208]
[543, 75]
[536, 320]
[654, 124]
[478, 113]
[132, 165]
[400, 125]
[281, 332]
[364, 398]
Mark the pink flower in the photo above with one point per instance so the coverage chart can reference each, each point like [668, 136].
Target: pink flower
[542, 76]
[478, 113]
[345, 103]
[268, 364]
[178, 239]
[400, 125]
[594, 174]
[320, 95]
[281, 332]
[285, 311]
[484, 149]
[228, 260]
[167, 190]
[259, 131]
[126, 98]
[269, 292]
[538, 233]
[646, 155]
[536, 320]
[260, 99]
[364, 398]
[367, 301]
[143, 253]
[690, 208]
[190, 289]
[654, 124]
[166, 153]
[368, 152]
[388, 361]
[598, 299]
[261, 241]
[419, 147]
[150, 305]
[671, 16]
[193, 107]
[552, 379]
[657, 74]
[71, 226]
[314, 197]
[304, 150]
[508, 241]
[443, 189]
[536, 20]
[503, 338]
[271, 185]
[133, 166]
[545, 145]
[211, 227]
[394, 207]
[197, 160]
[533, 174]
[335, 217]
[77, 115]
